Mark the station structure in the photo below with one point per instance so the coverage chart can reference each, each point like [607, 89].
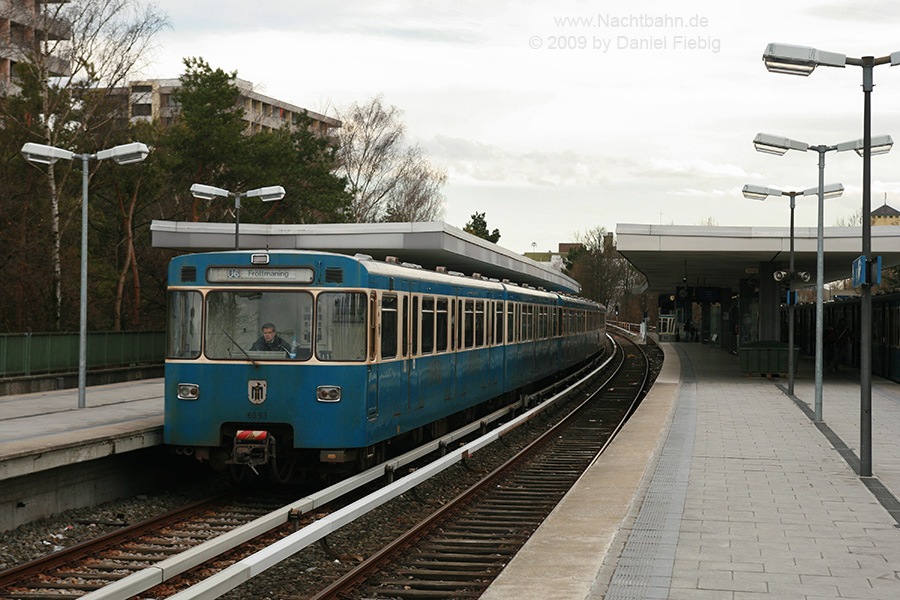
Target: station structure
[427, 244]
[729, 271]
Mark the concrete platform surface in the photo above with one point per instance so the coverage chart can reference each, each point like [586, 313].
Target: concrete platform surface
[47, 429]
[743, 497]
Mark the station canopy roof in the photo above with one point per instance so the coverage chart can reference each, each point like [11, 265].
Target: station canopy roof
[670, 255]
[427, 244]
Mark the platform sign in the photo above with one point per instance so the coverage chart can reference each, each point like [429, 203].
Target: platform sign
[859, 271]
[866, 273]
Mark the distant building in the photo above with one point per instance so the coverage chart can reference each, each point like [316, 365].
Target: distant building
[556, 259]
[885, 215]
[23, 27]
[153, 100]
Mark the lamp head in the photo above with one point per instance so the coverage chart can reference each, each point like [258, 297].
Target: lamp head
[758, 192]
[267, 194]
[799, 60]
[773, 144]
[45, 155]
[125, 154]
[881, 144]
[208, 192]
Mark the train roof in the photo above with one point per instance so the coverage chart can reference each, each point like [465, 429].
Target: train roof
[431, 245]
[392, 267]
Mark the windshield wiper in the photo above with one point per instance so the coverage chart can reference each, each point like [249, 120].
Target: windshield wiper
[238, 346]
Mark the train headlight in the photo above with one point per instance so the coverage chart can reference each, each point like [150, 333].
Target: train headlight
[188, 391]
[328, 393]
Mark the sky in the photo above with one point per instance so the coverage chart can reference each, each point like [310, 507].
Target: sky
[557, 117]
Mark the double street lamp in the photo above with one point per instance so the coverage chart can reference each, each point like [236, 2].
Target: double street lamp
[771, 144]
[802, 60]
[266, 194]
[124, 154]
[755, 192]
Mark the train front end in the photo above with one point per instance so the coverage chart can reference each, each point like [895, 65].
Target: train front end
[266, 359]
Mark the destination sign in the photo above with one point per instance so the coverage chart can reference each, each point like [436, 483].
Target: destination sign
[259, 275]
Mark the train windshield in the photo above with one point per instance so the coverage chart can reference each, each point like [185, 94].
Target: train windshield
[257, 325]
[341, 326]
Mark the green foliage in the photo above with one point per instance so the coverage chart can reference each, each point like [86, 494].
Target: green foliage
[207, 143]
[478, 226]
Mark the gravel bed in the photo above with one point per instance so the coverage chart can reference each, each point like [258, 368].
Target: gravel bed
[39, 538]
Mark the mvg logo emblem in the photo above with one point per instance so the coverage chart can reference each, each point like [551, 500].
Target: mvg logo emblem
[256, 391]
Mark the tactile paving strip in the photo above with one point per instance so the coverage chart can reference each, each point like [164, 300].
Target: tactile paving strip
[644, 570]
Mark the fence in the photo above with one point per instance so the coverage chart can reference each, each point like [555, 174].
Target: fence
[38, 353]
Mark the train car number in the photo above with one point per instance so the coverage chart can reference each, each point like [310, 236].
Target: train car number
[254, 414]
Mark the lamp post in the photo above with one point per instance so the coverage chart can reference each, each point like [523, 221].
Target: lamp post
[771, 144]
[266, 194]
[755, 192]
[802, 60]
[124, 154]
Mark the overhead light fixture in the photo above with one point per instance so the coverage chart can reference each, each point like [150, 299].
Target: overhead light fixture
[773, 144]
[799, 60]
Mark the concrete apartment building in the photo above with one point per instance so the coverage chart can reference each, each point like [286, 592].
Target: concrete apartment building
[153, 99]
[23, 27]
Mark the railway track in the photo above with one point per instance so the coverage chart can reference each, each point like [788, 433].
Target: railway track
[502, 525]
[460, 549]
[94, 564]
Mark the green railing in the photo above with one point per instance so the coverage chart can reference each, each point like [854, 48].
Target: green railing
[39, 353]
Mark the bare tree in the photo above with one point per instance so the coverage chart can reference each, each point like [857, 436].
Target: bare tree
[417, 196]
[81, 53]
[387, 179]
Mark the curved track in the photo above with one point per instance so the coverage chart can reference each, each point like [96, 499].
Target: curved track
[460, 549]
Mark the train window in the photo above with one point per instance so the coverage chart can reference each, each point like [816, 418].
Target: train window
[469, 328]
[498, 322]
[389, 321]
[183, 327]
[554, 320]
[459, 324]
[415, 326]
[527, 322]
[427, 325]
[441, 325]
[479, 323]
[341, 326]
[452, 325]
[510, 323]
[404, 340]
[235, 322]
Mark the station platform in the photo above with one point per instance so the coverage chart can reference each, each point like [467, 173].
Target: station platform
[721, 486]
[44, 430]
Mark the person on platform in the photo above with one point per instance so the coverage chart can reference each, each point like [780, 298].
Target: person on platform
[269, 340]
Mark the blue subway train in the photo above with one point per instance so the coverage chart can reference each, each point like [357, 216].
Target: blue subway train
[288, 359]
[885, 331]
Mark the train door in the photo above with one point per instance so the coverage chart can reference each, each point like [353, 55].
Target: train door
[495, 331]
[373, 370]
[390, 372]
[413, 311]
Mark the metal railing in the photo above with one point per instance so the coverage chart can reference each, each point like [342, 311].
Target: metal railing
[23, 354]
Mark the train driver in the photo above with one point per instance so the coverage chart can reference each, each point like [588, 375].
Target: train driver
[270, 340]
